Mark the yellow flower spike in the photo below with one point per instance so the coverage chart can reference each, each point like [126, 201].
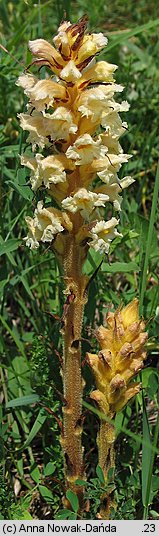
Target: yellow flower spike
[120, 359]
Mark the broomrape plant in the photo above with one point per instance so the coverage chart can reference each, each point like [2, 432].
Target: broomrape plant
[74, 128]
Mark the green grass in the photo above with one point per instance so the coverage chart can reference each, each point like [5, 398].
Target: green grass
[31, 287]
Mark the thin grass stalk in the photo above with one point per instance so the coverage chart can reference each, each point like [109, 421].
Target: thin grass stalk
[151, 465]
[149, 239]
[136, 438]
[40, 32]
[141, 303]
[122, 36]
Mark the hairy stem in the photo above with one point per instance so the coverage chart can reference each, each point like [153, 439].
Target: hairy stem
[72, 380]
[105, 442]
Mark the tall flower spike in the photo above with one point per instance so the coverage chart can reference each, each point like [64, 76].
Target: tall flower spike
[66, 113]
[120, 358]
[74, 128]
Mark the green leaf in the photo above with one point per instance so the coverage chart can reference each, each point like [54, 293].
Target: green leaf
[49, 469]
[80, 482]
[9, 245]
[149, 239]
[15, 335]
[66, 514]
[22, 401]
[10, 150]
[146, 373]
[20, 512]
[118, 422]
[155, 483]
[73, 515]
[123, 267]
[20, 467]
[3, 283]
[25, 515]
[100, 475]
[35, 473]
[154, 514]
[9, 255]
[46, 493]
[73, 499]
[146, 460]
[92, 262]
[111, 474]
[127, 34]
[41, 418]
[153, 385]
[20, 185]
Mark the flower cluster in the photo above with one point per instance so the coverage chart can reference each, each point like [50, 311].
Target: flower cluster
[121, 357]
[73, 119]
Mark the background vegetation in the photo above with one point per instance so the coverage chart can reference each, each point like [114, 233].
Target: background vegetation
[31, 298]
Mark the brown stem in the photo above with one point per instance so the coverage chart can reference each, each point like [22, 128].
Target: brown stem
[72, 379]
[105, 442]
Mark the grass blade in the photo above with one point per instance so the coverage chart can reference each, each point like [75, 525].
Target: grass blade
[149, 239]
[124, 35]
[41, 418]
[22, 401]
[149, 470]
[146, 455]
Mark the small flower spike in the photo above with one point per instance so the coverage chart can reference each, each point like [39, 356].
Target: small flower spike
[120, 358]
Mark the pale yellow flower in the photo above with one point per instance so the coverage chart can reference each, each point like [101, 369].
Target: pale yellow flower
[70, 73]
[94, 101]
[62, 40]
[74, 116]
[91, 45]
[113, 124]
[45, 171]
[126, 181]
[45, 225]
[26, 81]
[99, 72]
[103, 233]
[42, 93]
[37, 130]
[44, 127]
[112, 190]
[85, 202]
[46, 54]
[85, 149]
[113, 187]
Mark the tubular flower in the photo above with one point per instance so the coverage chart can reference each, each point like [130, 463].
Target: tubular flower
[45, 225]
[73, 116]
[120, 358]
